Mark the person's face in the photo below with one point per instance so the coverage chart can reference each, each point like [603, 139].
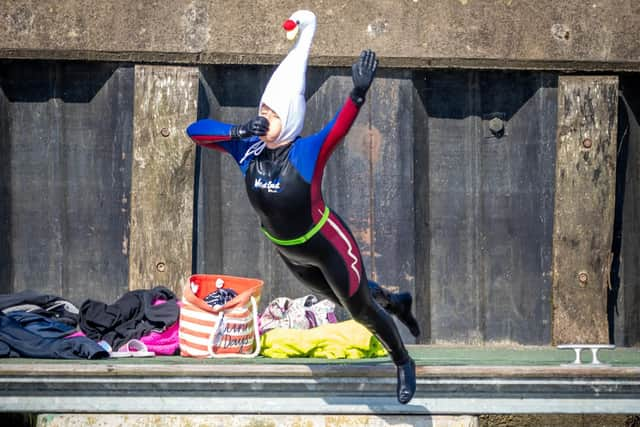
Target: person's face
[275, 126]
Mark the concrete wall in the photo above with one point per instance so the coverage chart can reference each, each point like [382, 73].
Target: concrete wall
[545, 34]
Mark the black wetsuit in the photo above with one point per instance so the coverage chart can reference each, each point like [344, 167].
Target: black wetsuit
[284, 188]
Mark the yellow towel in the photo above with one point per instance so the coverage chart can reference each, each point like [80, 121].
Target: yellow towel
[342, 340]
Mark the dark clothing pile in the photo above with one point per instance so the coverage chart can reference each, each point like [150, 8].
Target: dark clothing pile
[24, 334]
[133, 315]
[46, 326]
[49, 306]
[37, 325]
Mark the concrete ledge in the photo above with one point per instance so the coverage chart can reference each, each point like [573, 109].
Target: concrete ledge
[133, 420]
[362, 389]
[223, 58]
[599, 35]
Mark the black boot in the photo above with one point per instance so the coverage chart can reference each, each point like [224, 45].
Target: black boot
[406, 381]
[398, 304]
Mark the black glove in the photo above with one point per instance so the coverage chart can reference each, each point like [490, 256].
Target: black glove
[362, 73]
[257, 126]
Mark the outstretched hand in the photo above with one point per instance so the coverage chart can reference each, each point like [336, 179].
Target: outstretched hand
[257, 126]
[362, 73]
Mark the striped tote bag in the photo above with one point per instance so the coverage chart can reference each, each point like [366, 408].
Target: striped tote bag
[228, 330]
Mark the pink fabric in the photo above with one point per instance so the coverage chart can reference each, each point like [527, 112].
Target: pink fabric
[163, 343]
[166, 342]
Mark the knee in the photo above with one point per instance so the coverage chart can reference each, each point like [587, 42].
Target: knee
[366, 314]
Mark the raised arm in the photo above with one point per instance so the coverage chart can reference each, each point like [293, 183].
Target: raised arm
[209, 133]
[362, 74]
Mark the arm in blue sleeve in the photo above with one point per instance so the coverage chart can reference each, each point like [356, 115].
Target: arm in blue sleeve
[208, 131]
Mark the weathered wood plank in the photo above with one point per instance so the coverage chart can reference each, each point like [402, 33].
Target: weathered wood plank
[485, 206]
[369, 179]
[162, 177]
[584, 207]
[391, 208]
[64, 157]
[516, 205]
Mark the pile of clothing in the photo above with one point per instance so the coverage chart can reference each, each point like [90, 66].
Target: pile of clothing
[140, 323]
[306, 327]
[145, 323]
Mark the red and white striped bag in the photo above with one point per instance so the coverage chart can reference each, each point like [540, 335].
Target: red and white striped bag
[230, 330]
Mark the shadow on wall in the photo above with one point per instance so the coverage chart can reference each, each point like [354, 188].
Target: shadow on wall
[624, 320]
[242, 86]
[42, 81]
[463, 93]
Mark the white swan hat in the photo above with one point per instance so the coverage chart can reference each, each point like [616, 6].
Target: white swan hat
[284, 93]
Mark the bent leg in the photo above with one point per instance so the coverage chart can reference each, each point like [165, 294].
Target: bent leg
[398, 304]
[327, 281]
[341, 265]
[366, 311]
[331, 265]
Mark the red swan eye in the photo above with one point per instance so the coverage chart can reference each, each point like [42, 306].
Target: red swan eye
[289, 25]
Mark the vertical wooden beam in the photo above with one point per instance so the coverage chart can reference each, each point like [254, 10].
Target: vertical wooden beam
[421, 182]
[6, 257]
[584, 207]
[388, 153]
[162, 177]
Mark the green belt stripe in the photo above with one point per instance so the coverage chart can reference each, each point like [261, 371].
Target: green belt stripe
[307, 236]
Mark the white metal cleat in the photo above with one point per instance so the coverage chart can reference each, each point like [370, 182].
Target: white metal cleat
[595, 362]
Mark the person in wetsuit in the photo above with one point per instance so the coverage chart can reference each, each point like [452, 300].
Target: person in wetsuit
[283, 181]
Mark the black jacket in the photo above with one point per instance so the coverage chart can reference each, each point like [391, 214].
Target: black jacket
[24, 334]
[130, 317]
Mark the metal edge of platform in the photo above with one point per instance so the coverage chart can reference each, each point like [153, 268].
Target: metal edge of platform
[315, 389]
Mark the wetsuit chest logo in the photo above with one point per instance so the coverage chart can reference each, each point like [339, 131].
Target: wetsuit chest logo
[270, 186]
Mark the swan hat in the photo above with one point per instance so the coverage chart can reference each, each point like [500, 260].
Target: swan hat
[285, 91]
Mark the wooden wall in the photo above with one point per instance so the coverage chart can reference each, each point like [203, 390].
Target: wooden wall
[439, 205]
[442, 206]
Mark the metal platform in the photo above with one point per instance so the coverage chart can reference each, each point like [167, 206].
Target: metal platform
[176, 386]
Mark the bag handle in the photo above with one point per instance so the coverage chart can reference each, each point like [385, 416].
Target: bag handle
[256, 351]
